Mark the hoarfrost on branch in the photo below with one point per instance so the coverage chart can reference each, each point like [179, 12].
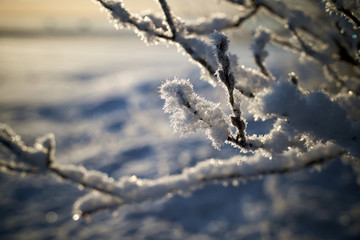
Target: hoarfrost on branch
[311, 126]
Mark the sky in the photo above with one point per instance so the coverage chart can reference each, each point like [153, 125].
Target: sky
[70, 8]
[35, 14]
[26, 14]
[46, 8]
[26, 8]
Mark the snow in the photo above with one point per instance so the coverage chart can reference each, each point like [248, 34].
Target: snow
[250, 80]
[313, 113]
[106, 115]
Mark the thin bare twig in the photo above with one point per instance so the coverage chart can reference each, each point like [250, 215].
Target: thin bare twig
[15, 168]
[193, 29]
[166, 10]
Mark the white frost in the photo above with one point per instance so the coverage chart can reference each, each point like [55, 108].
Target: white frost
[131, 190]
[249, 80]
[189, 112]
[39, 156]
[314, 113]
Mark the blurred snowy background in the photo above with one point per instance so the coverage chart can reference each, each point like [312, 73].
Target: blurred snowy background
[69, 73]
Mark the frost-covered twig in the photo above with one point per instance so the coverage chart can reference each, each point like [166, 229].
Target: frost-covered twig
[320, 43]
[218, 22]
[152, 32]
[280, 10]
[341, 47]
[344, 16]
[143, 24]
[168, 16]
[224, 75]
[136, 190]
[108, 193]
[16, 168]
[191, 112]
[296, 18]
[40, 156]
[326, 61]
[261, 38]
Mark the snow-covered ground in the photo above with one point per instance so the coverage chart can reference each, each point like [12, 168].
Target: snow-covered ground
[100, 97]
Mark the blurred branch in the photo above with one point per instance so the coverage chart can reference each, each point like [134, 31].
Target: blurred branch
[110, 193]
[168, 16]
[219, 23]
[15, 168]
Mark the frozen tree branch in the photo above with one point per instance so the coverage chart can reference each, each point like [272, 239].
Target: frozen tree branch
[345, 16]
[177, 32]
[146, 26]
[168, 16]
[40, 156]
[224, 75]
[295, 18]
[341, 47]
[191, 112]
[107, 193]
[135, 190]
[309, 126]
[198, 50]
[261, 38]
[14, 168]
[218, 22]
